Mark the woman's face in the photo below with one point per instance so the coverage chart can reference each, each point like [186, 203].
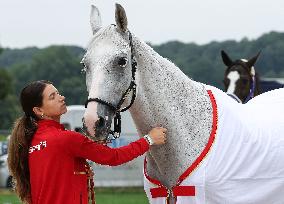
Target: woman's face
[53, 104]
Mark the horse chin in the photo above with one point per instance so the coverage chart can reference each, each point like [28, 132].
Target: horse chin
[102, 135]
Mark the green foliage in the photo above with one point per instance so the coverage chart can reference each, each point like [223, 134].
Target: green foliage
[204, 63]
[5, 83]
[74, 90]
[16, 56]
[54, 63]
[9, 111]
[60, 64]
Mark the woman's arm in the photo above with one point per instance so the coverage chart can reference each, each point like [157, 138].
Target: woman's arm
[103, 154]
[80, 146]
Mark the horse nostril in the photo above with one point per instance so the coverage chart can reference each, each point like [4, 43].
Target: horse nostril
[100, 123]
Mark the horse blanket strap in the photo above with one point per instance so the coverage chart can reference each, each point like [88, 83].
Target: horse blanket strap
[176, 191]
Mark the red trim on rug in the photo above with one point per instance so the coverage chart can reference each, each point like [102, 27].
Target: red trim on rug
[210, 141]
[152, 180]
[199, 159]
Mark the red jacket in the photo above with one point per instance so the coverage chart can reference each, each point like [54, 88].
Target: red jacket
[55, 154]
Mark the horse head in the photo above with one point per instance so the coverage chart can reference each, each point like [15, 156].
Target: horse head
[240, 79]
[108, 63]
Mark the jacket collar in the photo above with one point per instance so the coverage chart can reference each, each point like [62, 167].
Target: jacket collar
[50, 123]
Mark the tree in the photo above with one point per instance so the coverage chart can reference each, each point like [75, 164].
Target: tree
[9, 108]
[74, 90]
[54, 63]
[5, 83]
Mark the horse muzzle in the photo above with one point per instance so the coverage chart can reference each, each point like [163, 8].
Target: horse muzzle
[98, 129]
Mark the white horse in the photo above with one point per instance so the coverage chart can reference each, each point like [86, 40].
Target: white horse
[217, 151]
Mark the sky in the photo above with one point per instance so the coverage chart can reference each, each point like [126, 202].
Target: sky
[25, 23]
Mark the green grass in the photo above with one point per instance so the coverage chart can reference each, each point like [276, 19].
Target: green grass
[8, 197]
[3, 137]
[103, 196]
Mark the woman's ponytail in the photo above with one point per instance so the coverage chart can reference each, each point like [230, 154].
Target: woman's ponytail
[21, 138]
[18, 156]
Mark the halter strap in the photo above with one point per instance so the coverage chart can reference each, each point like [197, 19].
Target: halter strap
[251, 90]
[100, 101]
[117, 109]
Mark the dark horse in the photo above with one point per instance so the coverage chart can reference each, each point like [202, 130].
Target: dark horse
[240, 80]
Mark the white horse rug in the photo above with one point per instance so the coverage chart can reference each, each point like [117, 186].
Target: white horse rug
[247, 168]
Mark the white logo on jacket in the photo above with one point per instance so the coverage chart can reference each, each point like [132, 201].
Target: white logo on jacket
[38, 147]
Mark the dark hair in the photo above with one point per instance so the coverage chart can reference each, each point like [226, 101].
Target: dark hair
[21, 137]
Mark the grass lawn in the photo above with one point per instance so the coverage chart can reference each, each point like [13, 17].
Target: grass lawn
[3, 137]
[103, 196]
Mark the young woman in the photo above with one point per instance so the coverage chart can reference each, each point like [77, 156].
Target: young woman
[48, 163]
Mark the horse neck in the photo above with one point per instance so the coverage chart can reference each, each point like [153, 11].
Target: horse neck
[155, 72]
[167, 97]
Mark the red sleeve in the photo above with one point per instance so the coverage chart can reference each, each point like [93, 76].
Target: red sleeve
[80, 146]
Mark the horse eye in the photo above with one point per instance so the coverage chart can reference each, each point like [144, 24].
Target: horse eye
[122, 61]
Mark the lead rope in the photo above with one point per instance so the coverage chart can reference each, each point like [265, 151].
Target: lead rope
[91, 183]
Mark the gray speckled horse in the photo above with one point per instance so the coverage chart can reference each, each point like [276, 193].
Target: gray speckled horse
[210, 152]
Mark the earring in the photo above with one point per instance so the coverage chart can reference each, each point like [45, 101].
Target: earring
[41, 115]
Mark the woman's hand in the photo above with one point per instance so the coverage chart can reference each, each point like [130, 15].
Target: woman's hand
[158, 135]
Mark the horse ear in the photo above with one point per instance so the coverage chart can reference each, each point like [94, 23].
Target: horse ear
[95, 18]
[252, 61]
[226, 59]
[120, 18]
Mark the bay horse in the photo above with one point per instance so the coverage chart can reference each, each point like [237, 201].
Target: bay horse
[217, 151]
[241, 81]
